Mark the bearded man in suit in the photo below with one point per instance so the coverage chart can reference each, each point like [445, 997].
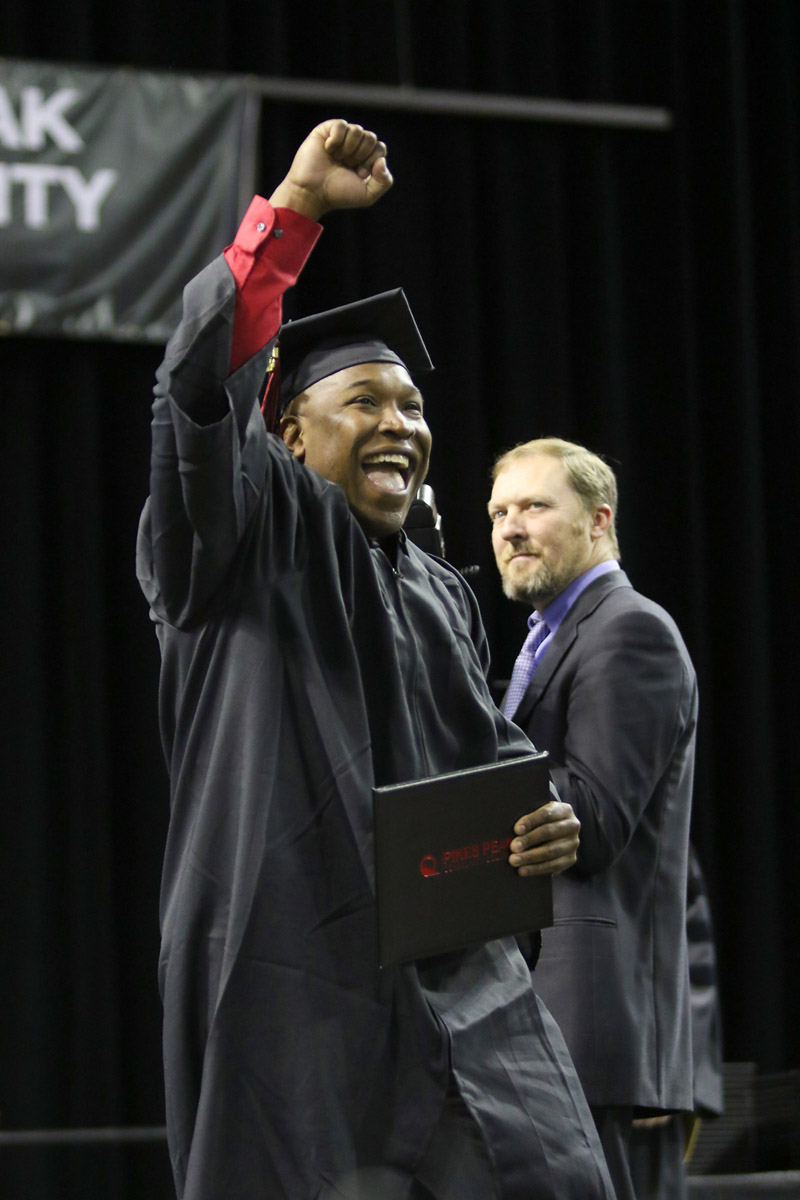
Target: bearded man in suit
[605, 684]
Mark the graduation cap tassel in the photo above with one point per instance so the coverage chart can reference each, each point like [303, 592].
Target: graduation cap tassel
[270, 401]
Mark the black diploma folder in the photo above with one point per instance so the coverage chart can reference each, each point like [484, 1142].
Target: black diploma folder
[441, 859]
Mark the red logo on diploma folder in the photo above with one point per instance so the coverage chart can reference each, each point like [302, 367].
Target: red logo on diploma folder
[478, 854]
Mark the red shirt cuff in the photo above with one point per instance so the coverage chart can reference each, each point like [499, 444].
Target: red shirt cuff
[266, 257]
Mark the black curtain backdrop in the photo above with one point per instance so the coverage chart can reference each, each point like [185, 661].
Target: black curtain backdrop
[637, 292]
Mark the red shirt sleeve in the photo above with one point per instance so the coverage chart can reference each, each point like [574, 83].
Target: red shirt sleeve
[269, 251]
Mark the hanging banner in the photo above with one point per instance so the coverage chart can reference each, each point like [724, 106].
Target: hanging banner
[116, 187]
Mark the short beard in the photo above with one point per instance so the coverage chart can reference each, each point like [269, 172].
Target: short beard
[544, 588]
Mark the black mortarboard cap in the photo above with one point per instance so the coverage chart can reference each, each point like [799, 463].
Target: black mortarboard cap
[378, 329]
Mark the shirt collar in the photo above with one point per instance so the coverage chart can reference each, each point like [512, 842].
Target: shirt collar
[555, 612]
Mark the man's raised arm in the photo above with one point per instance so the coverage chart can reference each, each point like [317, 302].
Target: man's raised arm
[210, 458]
[339, 165]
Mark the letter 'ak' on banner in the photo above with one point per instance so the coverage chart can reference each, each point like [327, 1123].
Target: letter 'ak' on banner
[116, 187]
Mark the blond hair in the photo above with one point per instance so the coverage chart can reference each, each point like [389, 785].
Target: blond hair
[588, 475]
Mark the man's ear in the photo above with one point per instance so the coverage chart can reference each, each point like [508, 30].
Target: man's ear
[601, 520]
[291, 430]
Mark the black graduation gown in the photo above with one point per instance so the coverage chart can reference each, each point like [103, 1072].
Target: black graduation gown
[299, 667]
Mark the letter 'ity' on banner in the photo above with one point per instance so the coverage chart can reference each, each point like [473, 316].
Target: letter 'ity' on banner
[116, 187]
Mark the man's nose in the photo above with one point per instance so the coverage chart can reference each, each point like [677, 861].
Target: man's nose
[395, 421]
[510, 527]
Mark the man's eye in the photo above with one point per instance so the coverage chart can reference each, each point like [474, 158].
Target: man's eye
[497, 516]
[362, 400]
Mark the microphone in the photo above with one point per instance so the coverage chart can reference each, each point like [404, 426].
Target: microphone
[423, 525]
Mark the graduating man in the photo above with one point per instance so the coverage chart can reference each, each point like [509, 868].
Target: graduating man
[604, 683]
[309, 652]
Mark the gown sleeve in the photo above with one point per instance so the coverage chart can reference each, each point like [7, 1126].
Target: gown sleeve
[210, 450]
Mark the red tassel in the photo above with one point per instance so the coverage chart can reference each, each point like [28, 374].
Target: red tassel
[270, 403]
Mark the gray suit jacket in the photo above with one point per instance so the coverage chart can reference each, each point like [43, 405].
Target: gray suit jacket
[614, 701]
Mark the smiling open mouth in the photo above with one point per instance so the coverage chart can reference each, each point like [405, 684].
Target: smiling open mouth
[389, 472]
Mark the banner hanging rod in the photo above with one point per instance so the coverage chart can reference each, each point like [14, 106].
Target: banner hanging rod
[465, 104]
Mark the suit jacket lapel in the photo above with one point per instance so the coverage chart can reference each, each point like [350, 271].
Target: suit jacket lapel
[565, 635]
